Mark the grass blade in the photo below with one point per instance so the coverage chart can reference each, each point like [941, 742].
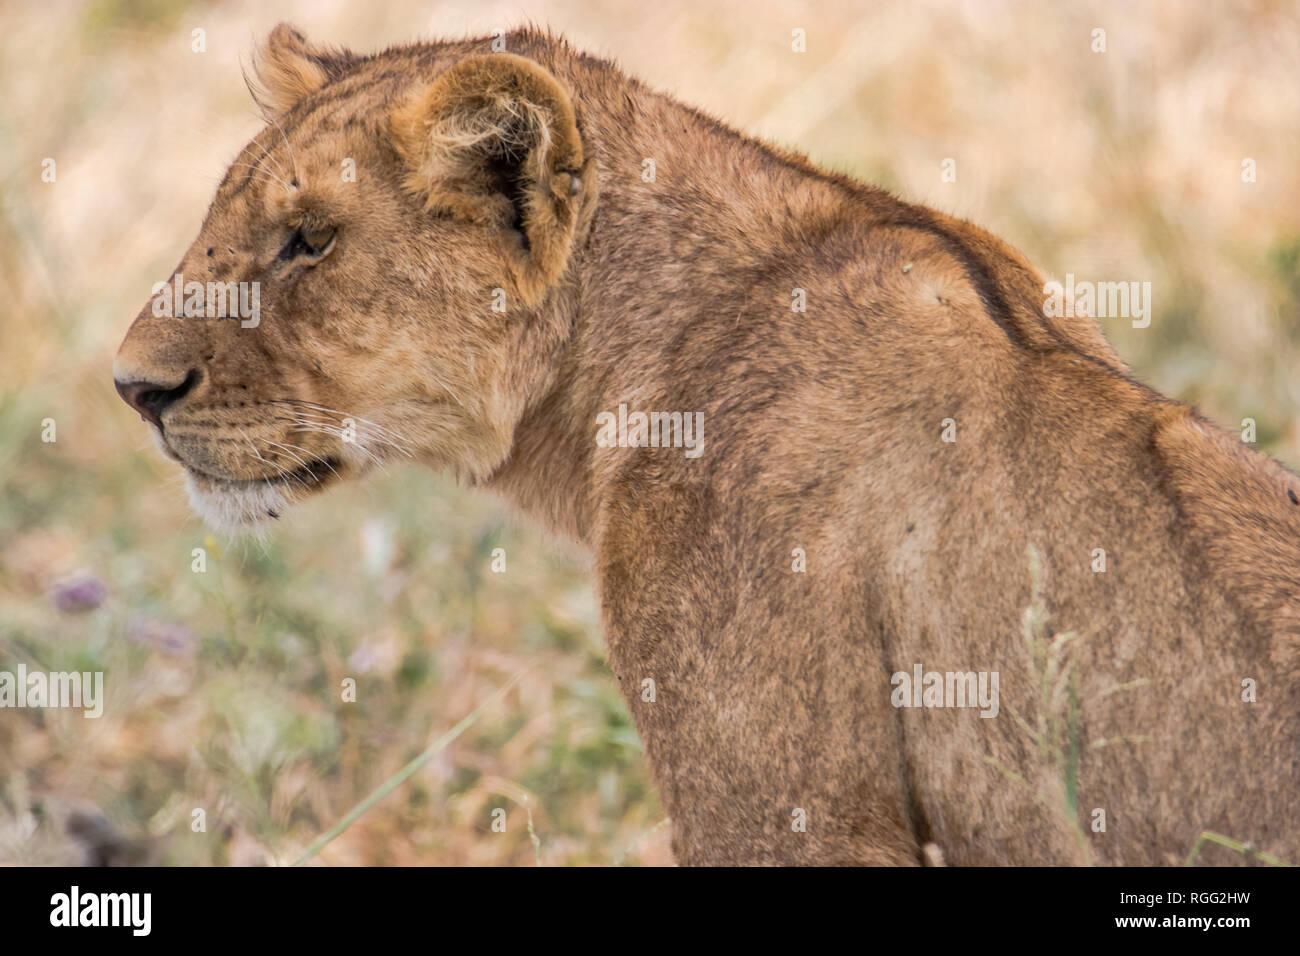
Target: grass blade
[397, 779]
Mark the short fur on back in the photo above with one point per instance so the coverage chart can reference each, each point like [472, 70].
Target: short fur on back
[502, 272]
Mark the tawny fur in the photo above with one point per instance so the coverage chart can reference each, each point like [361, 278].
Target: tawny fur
[479, 172]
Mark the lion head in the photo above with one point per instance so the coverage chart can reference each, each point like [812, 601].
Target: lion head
[380, 276]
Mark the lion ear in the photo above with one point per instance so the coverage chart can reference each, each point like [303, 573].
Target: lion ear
[288, 68]
[494, 140]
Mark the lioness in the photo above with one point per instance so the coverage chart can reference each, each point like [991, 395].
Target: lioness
[838, 466]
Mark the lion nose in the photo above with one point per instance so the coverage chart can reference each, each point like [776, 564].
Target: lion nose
[151, 399]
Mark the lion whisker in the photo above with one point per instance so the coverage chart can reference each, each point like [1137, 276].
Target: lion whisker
[394, 442]
[336, 433]
[382, 433]
[308, 452]
[282, 472]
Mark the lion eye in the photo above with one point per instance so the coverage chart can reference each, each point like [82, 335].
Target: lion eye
[309, 243]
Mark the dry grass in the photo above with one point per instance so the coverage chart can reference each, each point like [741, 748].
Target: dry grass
[224, 687]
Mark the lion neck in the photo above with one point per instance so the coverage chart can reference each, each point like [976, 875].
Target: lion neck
[688, 211]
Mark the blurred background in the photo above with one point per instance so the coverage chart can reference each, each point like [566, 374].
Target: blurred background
[223, 687]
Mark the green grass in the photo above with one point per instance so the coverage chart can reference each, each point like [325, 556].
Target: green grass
[224, 687]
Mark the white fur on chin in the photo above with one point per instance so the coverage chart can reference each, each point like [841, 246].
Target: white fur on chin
[235, 508]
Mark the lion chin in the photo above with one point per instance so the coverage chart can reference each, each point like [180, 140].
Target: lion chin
[236, 507]
[243, 505]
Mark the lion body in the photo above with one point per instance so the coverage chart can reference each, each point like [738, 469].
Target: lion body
[758, 598]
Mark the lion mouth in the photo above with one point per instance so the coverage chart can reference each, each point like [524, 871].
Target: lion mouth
[310, 476]
[315, 473]
[243, 504]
